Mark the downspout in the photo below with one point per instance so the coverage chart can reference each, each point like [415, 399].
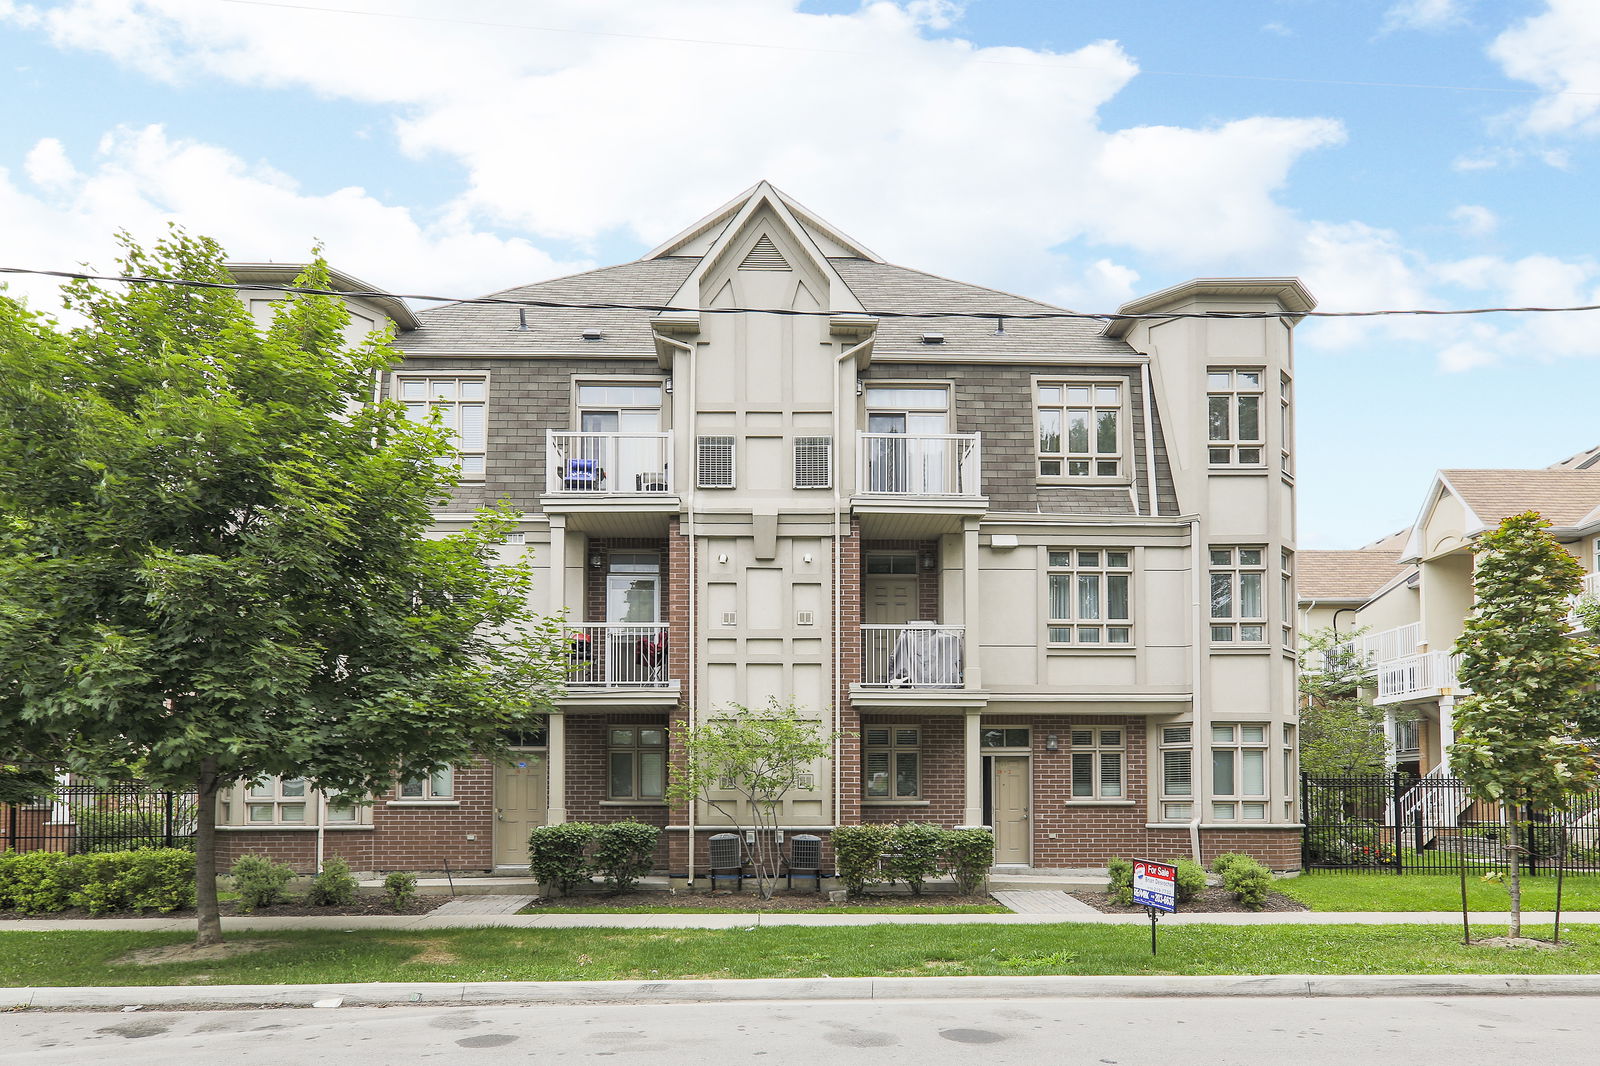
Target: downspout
[1149, 441]
[838, 585]
[1197, 661]
[689, 637]
[322, 825]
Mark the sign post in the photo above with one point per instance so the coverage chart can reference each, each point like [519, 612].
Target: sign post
[1155, 888]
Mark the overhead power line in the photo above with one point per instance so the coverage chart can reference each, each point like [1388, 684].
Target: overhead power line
[861, 54]
[605, 305]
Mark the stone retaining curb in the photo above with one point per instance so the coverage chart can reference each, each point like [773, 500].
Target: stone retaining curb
[577, 993]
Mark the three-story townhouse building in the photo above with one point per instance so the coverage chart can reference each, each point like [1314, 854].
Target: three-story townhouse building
[1035, 572]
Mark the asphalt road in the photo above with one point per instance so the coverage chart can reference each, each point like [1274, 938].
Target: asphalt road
[1552, 1031]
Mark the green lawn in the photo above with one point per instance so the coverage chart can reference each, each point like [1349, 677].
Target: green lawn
[1434, 892]
[601, 907]
[86, 958]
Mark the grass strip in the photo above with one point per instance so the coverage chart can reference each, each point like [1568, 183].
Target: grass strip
[560, 907]
[90, 958]
[1434, 892]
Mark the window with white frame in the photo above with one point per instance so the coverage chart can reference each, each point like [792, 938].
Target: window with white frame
[1080, 429]
[461, 402]
[1285, 425]
[1233, 417]
[439, 785]
[891, 760]
[284, 801]
[1089, 596]
[637, 762]
[1177, 773]
[1005, 737]
[1286, 590]
[1239, 772]
[1289, 774]
[1238, 595]
[1098, 755]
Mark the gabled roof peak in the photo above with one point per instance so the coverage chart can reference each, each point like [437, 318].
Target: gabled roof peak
[692, 241]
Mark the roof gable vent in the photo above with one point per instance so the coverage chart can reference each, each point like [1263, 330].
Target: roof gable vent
[764, 256]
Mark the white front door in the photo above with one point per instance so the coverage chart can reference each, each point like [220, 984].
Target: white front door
[1013, 831]
[520, 790]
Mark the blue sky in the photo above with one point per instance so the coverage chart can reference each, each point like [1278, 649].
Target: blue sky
[1079, 152]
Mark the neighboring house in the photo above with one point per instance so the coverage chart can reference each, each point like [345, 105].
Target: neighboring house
[1412, 593]
[1036, 573]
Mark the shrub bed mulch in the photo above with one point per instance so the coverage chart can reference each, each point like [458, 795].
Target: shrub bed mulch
[795, 902]
[1209, 901]
[366, 903]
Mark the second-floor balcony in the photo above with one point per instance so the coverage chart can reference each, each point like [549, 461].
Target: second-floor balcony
[916, 655]
[630, 464]
[618, 655]
[908, 464]
[1389, 644]
[1590, 593]
[1418, 676]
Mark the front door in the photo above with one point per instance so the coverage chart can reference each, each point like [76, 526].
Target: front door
[1012, 828]
[521, 788]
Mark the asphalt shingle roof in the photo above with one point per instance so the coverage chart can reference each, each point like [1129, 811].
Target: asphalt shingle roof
[1344, 575]
[1565, 497]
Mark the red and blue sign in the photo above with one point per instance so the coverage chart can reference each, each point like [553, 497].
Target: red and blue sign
[1155, 885]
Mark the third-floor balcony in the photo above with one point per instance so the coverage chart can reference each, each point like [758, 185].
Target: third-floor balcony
[1388, 644]
[906, 464]
[608, 464]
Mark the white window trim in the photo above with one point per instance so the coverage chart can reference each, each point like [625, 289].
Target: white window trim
[1187, 747]
[1237, 800]
[429, 794]
[1123, 454]
[893, 749]
[1235, 622]
[1097, 749]
[1234, 442]
[234, 803]
[1286, 426]
[1104, 625]
[399, 377]
[635, 749]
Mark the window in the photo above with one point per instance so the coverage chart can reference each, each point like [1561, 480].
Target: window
[1097, 756]
[905, 448]
[606, 408]
[1177, 773]
[460, 403]
[1289, 775]
[813, 462]
[892, 761]
[279, 801]
[1079, 432]
[637, 757]
[714, 463]
[1089, 601]
[1285, 425]
[886, 563]
[439, 785]
[1286, 585]
[1233, 417]
[1004, 737]
[1238, 605]
[1239, 773]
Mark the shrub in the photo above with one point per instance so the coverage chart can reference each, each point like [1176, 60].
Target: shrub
[334, 886]
[916, 852]
[623, 853]
[857, 854]
[1245, 878]
[969, 853]
[400, 889]
[36, 882]
[1121, 887]
[159, 879]
[1191, 879]
[259, 881]
[555, 854]
[1224, 862]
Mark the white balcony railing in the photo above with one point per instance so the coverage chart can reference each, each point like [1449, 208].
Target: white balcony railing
[1589, 594]
[617, 655]
[919, 655]
[1424, 674]
[608, 463]
[904, 464]
[1397, 643]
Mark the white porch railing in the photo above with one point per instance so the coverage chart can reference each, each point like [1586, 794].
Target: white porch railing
[617, 655]
[1590, 593]
[913, 656]
[1417, 675]
[1397, 643]
[614, 463]
[904, 464]
[1440, 804]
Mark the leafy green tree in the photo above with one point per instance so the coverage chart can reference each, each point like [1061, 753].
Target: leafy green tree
[758, 756]
[1518, 736]
[1341, 731]
[214, 553]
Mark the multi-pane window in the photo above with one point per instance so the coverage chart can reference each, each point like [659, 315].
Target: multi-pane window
[1004, 737]
[439, 785]
[1289, 775]
[1089, 596]
[1285, 424]
[1238, 600]
[892, 761]
[614, 408]
[637, 761]
[1097, 761]
[1080, 430]
[1233, 417]
[1239, 772]
[279, 801]
[1177, 773]
[1286, 591]
[460, 403]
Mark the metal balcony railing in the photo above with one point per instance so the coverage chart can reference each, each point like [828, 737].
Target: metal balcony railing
[617, 655]
[913, 656]
[904, 464]
[1389, 644]
[1424, 674]
[634, 464]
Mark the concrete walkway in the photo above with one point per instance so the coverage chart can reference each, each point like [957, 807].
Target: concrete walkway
[478, 905]
[1041, 901]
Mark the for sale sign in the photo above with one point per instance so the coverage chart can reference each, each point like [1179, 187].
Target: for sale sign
[1155, 884]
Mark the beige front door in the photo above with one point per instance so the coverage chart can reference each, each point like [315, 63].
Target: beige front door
[1012, 832]
[520, 798]
[891, 601]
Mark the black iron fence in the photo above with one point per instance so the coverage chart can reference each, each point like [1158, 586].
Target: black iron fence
[1402, 824]
[88, 818]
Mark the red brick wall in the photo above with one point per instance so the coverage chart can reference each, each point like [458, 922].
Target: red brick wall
[849, 799]
[943, 770]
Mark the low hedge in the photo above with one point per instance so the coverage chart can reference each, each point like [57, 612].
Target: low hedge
[1246, 878]
[913, 853]
[1191, 880]
[567, 855]
[43, 882]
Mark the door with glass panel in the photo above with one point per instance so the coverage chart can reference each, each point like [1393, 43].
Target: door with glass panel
[906, 449]
[635, 639]
[621, 426]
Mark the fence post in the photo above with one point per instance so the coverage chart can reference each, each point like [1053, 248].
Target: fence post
[167, 823]
[1305, 820]
[1398, 785]
[1529, 847]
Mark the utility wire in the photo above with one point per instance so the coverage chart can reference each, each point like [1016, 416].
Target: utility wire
[786, 312]
[856, 53]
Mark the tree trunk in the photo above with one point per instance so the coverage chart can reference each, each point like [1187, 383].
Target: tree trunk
[208, 930]
[1514, 854]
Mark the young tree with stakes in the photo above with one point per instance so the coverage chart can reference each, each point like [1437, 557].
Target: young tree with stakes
[1519, 736]
[758, 755]
[214, 555]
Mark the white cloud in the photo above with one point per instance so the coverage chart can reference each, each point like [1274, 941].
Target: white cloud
[1557, 50]
[1424, 15]
[1475, 220]
[1277, 29]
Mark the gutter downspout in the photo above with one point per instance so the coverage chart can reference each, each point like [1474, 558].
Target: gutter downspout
[693, 581]
[1197, 661]
[322, 825]
[838, 587]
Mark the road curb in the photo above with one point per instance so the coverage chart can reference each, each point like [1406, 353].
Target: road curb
[577, 993]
